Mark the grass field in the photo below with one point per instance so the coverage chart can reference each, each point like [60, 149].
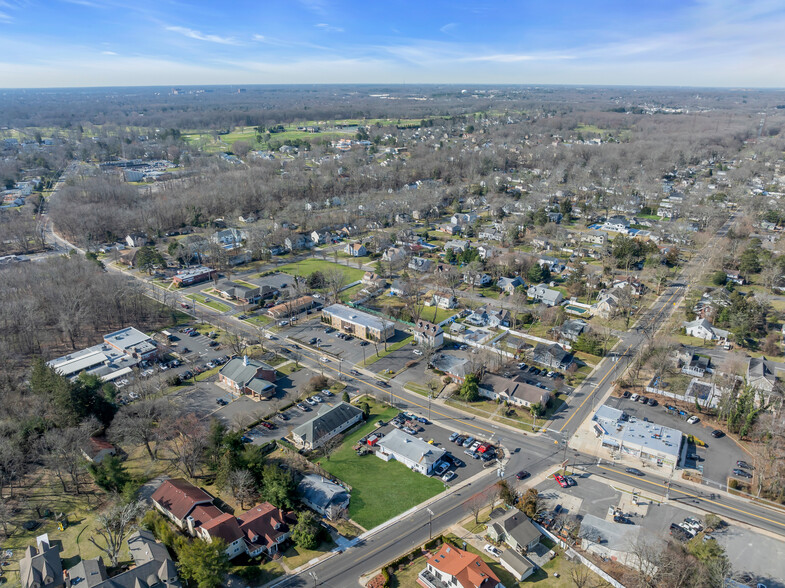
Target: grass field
[259, 320]
[347, 294]
[435, 314]
[205, 301]
[380, 490]
[307, 266]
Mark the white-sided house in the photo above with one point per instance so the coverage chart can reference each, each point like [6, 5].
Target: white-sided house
[427, 334]
[703, 329]
[513, 390]
[330, 422]
[541, 293]
[443, 300]
[414, 453]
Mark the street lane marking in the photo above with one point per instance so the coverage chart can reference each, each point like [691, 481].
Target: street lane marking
[701, 498]
[585, 400]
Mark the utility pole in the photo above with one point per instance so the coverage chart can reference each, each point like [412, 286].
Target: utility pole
[429, 407]
[430, 518]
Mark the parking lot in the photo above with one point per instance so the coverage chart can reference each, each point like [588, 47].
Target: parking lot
[716, 461]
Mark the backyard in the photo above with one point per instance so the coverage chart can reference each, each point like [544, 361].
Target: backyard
[380, 490]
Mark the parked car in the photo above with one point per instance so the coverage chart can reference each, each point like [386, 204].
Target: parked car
[442, 467]
[522, 475]
[692, 420]
[622, 519]
[561, 481]
[634, 471]
[313, 341]
[643, 399]
[635, 397]
[453, 437]
[741, 473]
[652, 402]
[311, 401]
[282, 417]
[745, 465]
[716, 433]
[317, 398]
[625, 394]
[221, 401]
[324, 359]
[468, 441]
[448, 476]
[571, 481]
[303, 407]
[416, 351]
[492, 550]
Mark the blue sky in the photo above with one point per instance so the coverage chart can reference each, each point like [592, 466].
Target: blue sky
[46, 43]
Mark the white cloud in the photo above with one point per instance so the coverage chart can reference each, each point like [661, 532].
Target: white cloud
[328, 28]
[108, 53]
[448, 27]
[514, 58]
[200, 36]
[259, 38]
[5, 17]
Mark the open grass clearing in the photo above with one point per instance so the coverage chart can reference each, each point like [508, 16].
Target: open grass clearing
[385, 352]
[306, 267]
[380, 490]
[296, 556]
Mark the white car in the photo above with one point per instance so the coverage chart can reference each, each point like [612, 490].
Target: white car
[324, 359]
[492, 550]
[417, 352]
[692, 420]
[448, 476]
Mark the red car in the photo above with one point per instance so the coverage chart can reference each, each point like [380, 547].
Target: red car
[561, 481]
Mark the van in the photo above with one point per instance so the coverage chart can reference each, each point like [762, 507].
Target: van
[635, 397]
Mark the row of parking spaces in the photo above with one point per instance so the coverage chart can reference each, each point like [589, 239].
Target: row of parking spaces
[716, 460]
[325, 338]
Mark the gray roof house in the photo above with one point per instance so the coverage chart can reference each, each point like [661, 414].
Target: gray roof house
[153, 567]
[513, 390]
[330, 422]
[509, 284]
[572, 329]
[552, 356]
[40, 567]
[541, 293]
[323, 496]
[520, 566]
[248, 376]
[519, 532]
[412, 452]
[760, 375]
[452, 365]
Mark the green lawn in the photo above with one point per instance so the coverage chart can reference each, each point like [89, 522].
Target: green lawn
[205, 301]
[348, 294]
[259, 320]
[380, 490]
[307, 266]
[388, 351]
[295, 556]
[435, 314]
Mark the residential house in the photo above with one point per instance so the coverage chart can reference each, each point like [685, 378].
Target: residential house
[248, 376]
[608, 305]
[509, 284]
[697, 365]
[40, 567]
[451, 566]
[292, 307]
[513, 390]
[360, 324]
[420, 264]
[444, 300]
[710, 302]
[428, 334]
[519, 532]
[401, 288]
[177, 498]
[463, 218]
[618, 224]
[247, 218]
[541, 293]
[703, 329]
[489, 317]
[329, 422]
[321, 237]
[395, 254]
[374, 281]
[259, 530]
[136, 240]
[230, 237]
[97, 448]
[595, 237]
[735, 277]
[153, 567]
[761, 376]
[240, 292]
[555, 217]
[456, 245]
[552, 356]
[450, 229]
[327, 498]
[298, 242]
[416, 454]
[490, 234]
[552, 264]
[632, 285]
[487, 251]
[541, 243]
[572, 329]
[452, 365]
[356, 249]
[480, 279]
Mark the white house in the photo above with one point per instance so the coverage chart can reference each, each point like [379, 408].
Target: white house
[412, 452]
[703, 329]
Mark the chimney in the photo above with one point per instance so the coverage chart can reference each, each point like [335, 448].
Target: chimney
[245, 360]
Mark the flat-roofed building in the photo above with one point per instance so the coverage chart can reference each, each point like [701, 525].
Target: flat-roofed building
[357, 323]
[132, 342]
[410, 451]
[194, 275]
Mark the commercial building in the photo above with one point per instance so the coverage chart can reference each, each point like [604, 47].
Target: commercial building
[412, 452]
[357, 323]
[113, 358]
[194, 275]
[628, 437]
[330, 421]
[292, 307]
[248, 376]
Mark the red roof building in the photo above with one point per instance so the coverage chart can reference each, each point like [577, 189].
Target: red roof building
[456, 567]
[177, 498]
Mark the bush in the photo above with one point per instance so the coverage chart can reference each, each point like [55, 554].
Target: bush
[733, 484]
[318, 383]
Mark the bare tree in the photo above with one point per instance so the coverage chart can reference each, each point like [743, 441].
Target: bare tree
[240, 484]
[188, 442]
[334, 280]
[139, 423]
[113, 527]
[474, 505]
